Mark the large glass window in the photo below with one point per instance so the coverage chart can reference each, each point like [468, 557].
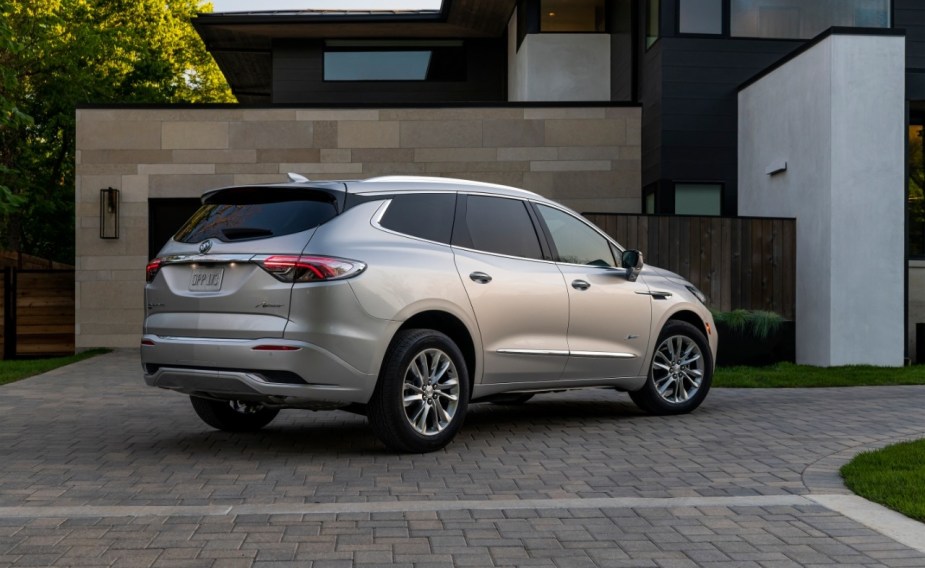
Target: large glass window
[803, 19]
[700, 17]
[576, 242]
[698, 198]
[916, 187]
[409, 60]
[572, 16]
[653, 7]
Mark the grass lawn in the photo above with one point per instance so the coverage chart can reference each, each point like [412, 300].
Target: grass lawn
[21, 368]
[893, 477]
[790, 375]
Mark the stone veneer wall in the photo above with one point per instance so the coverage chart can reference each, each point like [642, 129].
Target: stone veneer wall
[585, 157]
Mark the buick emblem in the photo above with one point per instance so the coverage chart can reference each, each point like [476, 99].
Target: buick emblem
[205, 246]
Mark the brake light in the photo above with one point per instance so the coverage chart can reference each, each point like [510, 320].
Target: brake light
[275, 348]
[152, 269]
[292, 268]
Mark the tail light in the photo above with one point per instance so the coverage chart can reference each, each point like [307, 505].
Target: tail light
[292, 268]
[152, 269]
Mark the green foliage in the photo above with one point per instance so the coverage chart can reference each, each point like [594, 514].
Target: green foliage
[760, 324]
[893, 476]
[21, 368]
[58, 54]
[788, 375]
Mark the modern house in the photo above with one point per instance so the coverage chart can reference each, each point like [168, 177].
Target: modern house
[811, 109]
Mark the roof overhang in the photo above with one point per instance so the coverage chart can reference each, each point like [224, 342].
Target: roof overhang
[241, 42]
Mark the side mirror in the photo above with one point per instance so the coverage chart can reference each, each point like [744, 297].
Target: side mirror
[632, 262]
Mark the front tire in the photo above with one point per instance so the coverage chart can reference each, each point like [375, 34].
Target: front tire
[233, 415]
[680, 372]
[421, 398]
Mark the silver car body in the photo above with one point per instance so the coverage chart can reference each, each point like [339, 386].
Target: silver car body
[536, 325]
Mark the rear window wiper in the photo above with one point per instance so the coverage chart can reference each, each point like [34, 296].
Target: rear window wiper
[238, 233]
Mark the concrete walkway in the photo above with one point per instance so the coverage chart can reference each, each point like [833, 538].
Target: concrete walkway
[98, 470]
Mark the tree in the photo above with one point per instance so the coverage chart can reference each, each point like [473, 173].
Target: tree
[58, 54]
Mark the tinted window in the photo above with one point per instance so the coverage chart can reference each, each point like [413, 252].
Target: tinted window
[255, 213]
[576, 242]
[424, 216]
[501, 226]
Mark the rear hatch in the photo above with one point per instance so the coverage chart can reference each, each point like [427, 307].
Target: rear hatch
[223, 274]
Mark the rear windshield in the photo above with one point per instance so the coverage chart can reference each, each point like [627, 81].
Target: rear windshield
[257, 213]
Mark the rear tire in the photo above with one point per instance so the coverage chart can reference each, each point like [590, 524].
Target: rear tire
[233, 415]
[680, 372]
[422, 395]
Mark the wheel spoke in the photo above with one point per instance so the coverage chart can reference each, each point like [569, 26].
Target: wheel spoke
[411, 399]
[445, 417]
[690, 359]
[422, 418]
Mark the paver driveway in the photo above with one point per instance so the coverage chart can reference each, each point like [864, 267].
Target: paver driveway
[96, 469]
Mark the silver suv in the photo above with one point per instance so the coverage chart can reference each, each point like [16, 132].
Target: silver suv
[407, 299]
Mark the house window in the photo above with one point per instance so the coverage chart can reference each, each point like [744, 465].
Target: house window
[698, 198]
[700, 17]
[652, 21]
[394, 61]
[572, 16]
[804, 19]
[916, 187]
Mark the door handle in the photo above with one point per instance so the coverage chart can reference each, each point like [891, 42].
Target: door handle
[480, 277]
[580, 285]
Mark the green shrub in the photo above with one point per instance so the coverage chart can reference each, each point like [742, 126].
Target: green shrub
[759, 323]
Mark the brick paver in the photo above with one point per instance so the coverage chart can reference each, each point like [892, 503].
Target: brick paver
[93, 435]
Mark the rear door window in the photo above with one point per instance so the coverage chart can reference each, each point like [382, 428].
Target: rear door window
[425, 216]
[257, 213]
[498, 225]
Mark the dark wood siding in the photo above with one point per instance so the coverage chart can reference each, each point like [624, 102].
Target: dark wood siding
[622, 72]
[297, 78]
[738, 263]
[910, 16]
[699, 106]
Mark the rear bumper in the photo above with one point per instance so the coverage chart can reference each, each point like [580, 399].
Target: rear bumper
[232, 368]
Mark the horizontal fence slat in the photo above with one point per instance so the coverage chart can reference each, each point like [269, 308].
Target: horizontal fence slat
[42, 312]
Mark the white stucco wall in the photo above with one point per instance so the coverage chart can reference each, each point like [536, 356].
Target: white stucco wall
[558, 67]
[835, 115]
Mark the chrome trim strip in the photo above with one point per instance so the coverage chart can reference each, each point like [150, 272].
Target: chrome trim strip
[658, 293]
[547, 352]
[562, 353]
[603, 354]
[207, 258]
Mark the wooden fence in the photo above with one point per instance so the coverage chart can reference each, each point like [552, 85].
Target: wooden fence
[37, 313]
[745, 263]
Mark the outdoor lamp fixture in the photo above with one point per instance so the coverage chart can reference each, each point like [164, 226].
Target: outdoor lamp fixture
[109, 213]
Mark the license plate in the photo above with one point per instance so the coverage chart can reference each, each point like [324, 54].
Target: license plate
[206, 279]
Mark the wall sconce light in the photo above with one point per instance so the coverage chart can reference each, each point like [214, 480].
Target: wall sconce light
[109, 213]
